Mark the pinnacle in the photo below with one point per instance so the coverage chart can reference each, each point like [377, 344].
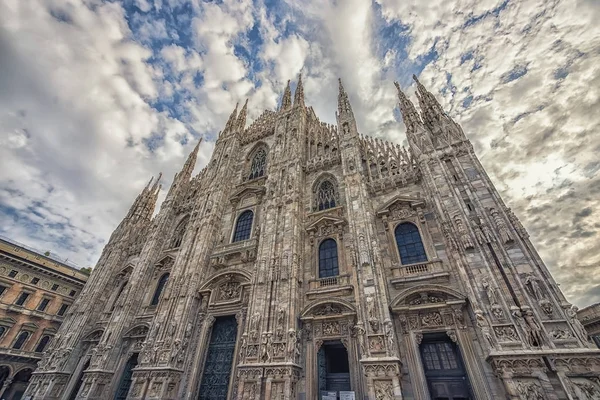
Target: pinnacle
[299, 94]
[286, 101]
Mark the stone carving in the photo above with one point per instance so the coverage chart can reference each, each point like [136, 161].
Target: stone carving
[506, 334]
[501, 227]
[359, 332]
[530, 390]
[280, 323]
[331, 328]
[558, 334]
[497, 311]
[484, 326]
[431, 319]
[384, 390]
[372, 313]
[533, 285]
[292, 345]
[229, 290]
[465, 238]
[452, 335]
[585, 390]
[490, 291]
[376, 343]
[576, 324]
[265, 354]
[535, 333]
[254, 326]
[328, 309]
[388, 327]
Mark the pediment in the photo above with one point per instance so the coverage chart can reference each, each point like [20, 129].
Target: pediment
[326, 220]
[328, 309]
[7, 321]
[257, 190]
[166, 261]
[93, 336]
[424, 296]
[401, 202]
[140, 330]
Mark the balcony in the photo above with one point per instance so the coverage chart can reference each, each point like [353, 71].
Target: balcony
[418, 272]
[339, 285]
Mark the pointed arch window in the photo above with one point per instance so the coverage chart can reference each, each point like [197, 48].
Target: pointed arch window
[326, 196]
[243, 226]
[179, 232]
[42, 344]
[410, 245]
[259, 164]
[328, 259]
[159, 288]
[20, 340]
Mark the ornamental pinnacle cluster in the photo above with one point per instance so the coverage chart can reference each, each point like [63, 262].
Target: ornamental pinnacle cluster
[307, 261]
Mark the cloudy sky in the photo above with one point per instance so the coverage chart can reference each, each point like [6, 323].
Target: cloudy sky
[97, 96]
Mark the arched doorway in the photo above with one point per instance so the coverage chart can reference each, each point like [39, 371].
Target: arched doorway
[19, 384]
[125, 382]
[333, 367]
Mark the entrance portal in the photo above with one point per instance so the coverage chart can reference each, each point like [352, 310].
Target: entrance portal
[219, 359]
[444, 369]
[333, 367]
[125, 383]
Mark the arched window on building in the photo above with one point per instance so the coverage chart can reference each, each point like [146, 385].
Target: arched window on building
[326, 196]
[20, 340]
[159, 288]
[178, 233]
[328, 259]
[42, 344]
[258, 165]
[243, 226]
[410, 245]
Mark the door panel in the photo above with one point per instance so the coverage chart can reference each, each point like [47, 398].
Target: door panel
[219, 360]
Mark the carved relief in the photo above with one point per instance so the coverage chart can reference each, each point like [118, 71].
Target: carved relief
[230, 290]
[530, 390]
[501, 227]
[384, 390]
[431, 319]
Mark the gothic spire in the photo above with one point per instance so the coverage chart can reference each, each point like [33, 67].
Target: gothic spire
[409, 112]
[232, 119]
[286, 101]
[417, 136]
[344, 107]
[241, 120]
[190, 163]
[442, 127]
[299, 94]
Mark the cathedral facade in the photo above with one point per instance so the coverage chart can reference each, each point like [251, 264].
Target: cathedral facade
[307, 261]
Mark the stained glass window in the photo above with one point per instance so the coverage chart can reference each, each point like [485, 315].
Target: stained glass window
[328, 259]
[410, 245]
[326, 196]
[259, 162]
[243, 227]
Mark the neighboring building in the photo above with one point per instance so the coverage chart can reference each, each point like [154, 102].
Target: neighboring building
[590, 317]
[36, 292]
[305, 259]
